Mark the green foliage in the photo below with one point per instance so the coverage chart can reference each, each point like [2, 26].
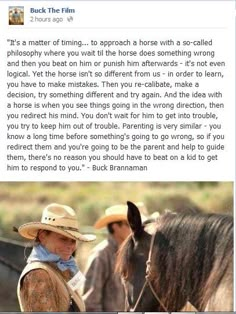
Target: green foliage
[21, 202]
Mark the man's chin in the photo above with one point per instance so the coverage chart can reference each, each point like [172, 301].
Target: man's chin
[65, 257]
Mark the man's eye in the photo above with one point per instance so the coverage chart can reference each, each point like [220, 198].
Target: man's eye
[63, 239]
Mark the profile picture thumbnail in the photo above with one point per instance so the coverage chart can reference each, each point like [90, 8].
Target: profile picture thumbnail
[16, 15]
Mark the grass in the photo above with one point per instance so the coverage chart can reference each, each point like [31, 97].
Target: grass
[21, 202]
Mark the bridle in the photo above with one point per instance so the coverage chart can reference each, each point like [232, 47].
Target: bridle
[147, 282]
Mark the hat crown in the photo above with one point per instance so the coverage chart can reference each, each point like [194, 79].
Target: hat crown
[116, 210]
[60, 215]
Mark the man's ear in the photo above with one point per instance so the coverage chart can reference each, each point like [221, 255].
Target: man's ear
[114, 226]
[42, 236]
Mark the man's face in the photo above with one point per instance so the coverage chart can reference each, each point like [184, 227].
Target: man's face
[58, 244]
[121, 230]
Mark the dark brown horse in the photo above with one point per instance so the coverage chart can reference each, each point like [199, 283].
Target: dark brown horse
[189, 258]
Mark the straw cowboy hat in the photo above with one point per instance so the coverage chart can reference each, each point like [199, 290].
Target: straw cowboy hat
[117, 213]
[57, 218]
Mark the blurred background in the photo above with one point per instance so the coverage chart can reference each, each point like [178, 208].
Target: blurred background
[22, 202]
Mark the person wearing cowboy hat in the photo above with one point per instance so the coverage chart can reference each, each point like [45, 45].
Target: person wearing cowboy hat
[103, 290]
[51, 278]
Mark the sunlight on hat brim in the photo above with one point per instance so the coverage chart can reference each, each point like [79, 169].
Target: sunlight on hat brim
[105, 220]
[30, 231]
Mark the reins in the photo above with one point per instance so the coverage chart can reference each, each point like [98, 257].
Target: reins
[147, 281]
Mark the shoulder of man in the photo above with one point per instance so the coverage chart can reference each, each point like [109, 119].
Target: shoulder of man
[100, 246]
[100, 254]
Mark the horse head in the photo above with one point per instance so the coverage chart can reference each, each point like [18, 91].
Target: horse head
[185, 259]
[132, 264]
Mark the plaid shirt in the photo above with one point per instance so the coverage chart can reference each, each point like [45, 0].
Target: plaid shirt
[103, 290]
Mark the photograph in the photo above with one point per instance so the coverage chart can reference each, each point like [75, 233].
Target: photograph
[116, 246]
[16, 15]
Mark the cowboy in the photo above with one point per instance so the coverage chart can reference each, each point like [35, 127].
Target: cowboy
[103, 290]
[51, 278]
[16, 16]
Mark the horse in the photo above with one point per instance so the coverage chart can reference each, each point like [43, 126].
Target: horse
[189, 258]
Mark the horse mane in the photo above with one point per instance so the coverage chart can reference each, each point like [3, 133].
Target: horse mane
[191, 254]
[124, 257]
[196, 251]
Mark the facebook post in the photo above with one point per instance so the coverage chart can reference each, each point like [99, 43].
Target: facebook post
[117, 155]
[94, 89]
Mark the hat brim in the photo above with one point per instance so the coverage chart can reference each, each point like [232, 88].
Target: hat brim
[30, 231]
[105, 220]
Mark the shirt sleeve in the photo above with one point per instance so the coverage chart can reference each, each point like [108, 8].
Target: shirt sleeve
[38, 292]
[96, 277]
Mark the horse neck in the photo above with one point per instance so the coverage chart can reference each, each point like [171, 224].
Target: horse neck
[185, 254]
[176, 266]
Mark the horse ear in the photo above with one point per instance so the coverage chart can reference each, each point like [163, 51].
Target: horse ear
[134, 219]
